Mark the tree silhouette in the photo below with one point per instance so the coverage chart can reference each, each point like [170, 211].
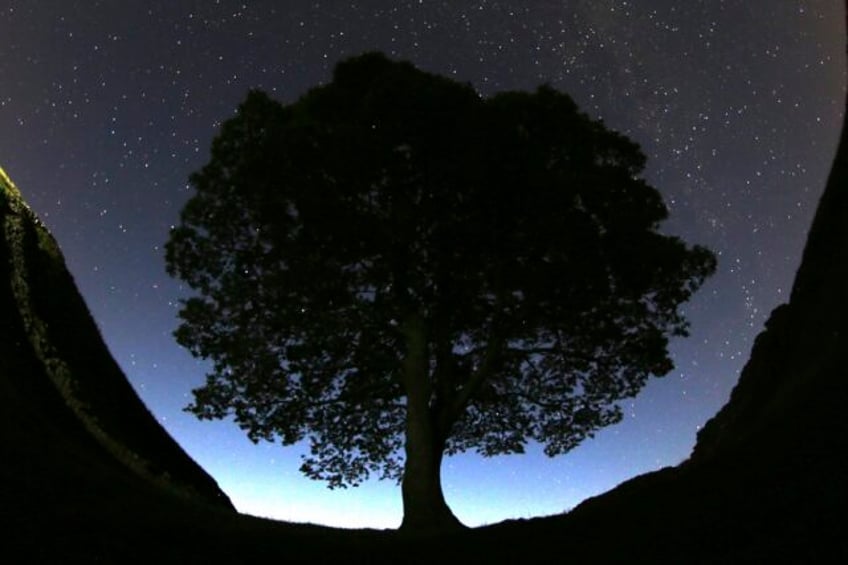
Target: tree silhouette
[395, 268]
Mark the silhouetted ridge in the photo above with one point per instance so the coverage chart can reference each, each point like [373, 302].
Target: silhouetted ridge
[56, 374]
[793, 388]
[766, 479]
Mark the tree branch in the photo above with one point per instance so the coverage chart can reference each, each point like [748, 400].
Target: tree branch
[494, 348]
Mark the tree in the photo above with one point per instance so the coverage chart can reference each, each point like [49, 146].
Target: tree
[396, 268]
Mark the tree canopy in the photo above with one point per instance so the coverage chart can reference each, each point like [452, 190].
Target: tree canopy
[394, 267]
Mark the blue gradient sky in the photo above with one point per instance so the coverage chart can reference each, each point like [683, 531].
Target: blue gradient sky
[106, 107]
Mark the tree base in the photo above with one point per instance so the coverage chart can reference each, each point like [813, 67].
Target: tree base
[431, 523]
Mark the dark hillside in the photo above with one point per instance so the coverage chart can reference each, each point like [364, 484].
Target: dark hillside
[71, 423]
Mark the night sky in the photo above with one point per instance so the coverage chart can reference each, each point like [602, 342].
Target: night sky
[106, 107]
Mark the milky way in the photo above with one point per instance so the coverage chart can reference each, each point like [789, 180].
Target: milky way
[107, 107]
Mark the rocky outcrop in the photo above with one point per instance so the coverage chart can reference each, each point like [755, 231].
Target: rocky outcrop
[793, 391]
[70, 418]
[767, 478]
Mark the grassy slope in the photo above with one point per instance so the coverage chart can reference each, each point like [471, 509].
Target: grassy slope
[46, 316]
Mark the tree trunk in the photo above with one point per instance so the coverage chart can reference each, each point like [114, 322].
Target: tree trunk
[424, 506]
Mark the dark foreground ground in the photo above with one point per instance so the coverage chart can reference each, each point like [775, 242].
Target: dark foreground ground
[790, 511]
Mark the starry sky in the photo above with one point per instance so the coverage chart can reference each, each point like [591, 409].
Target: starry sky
[107, 106]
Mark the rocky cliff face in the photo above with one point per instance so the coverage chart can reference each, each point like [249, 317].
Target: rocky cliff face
[767, 478]
[69, 416]
[792, 393]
